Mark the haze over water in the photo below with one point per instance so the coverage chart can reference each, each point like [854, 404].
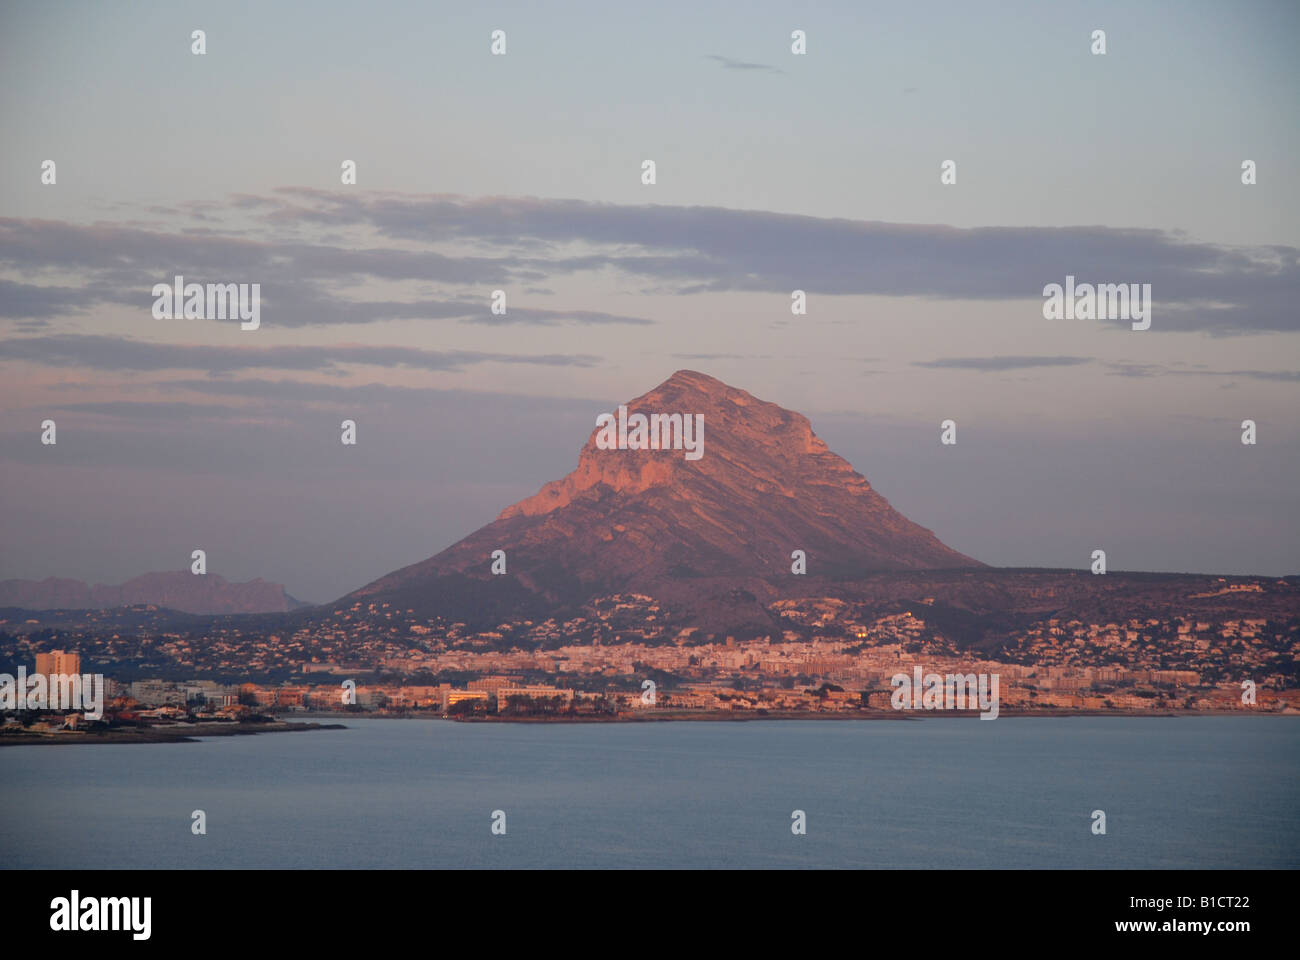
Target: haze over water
[1218, 792]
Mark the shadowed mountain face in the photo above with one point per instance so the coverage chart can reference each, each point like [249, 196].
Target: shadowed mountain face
[656, 522]
[177, 590]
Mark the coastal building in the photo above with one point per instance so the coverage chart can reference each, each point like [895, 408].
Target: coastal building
[535, 693]
[156, 693]
[58, 663]
[453, 697]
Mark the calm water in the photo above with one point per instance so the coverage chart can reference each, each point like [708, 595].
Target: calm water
[1188, 792]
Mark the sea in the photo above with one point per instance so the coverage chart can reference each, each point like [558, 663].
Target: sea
[1016, 792]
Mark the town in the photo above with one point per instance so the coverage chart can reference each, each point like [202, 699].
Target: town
[622, 659]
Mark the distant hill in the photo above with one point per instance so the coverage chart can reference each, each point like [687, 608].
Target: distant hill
[176, 590]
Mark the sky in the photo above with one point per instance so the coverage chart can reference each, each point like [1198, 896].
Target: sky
[523, 172]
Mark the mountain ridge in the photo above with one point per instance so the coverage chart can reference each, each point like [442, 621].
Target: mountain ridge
[178, 590]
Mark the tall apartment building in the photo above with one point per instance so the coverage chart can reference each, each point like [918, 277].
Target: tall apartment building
[58, 663]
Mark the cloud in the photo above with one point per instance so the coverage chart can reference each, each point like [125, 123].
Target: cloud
[1196, 286]
[299, 281]
[115, 353]
[550, 317]
[502, 241]
[990, 364]
[1134, 370]
[1125, 369]
[729, 64]
[1280, 376]
[32, 302]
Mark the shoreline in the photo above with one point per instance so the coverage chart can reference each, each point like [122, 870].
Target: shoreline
[178, 733]
[733, 716]
[193, 733]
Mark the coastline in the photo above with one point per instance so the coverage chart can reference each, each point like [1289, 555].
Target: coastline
[193, 733]
[734, 716]
[177, 733]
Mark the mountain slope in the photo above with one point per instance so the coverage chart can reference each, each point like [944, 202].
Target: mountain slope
[654, 520]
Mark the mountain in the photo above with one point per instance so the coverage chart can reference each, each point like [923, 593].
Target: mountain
[176, 590]
[663, 523]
